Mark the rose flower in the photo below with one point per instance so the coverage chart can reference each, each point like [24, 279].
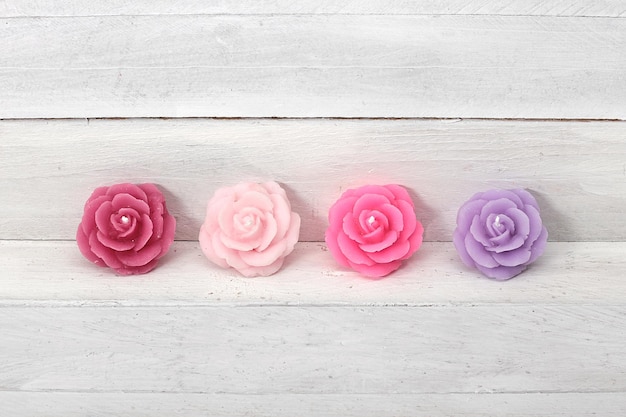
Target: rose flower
[126, 227]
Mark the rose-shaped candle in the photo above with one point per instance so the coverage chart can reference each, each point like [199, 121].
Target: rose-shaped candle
[249, 227]
[372, 229]
[500, 232]
[126, 227]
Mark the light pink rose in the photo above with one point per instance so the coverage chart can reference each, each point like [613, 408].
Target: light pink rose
[372, 229]
[249, 227]
[126, 227]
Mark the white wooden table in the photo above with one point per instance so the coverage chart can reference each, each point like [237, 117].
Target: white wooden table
[446, 97]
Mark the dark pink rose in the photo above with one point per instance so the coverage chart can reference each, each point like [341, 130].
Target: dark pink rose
[372, 229]
[126, 227]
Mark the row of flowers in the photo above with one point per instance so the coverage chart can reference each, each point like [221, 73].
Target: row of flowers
[251, 227]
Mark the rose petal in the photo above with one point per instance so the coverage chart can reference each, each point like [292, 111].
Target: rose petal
[399, 193]
[351, 228]
[498, 206]
[276, 251]
[352, 251]
[415, 240]
[281, 212]
[333, 247]
[408, 217]
[478, 253]
[390, 238]
[380, 221]
[376, 270]
[153, 194]
[127, 188]
[467, 212]
[270, 233]
[506, 226]
[145, 233]
[260, 201]
[83, 245]
[206, 244]
[157, 214]
[374, 236]
[106, 254]
[539, 245]
[214, 208]
[117, 245]
[373, 189]
[338, 211]
[124, 229]
[169, 231]
[527, 198]
[142, 269]
[225, 219]
[477, 230]
[521, 220]
[231, 256]
[273, 188]
[293, 233]
[103, 214]
[142, 257]
[266, 257]
[126, 200]
[248, 223]
[512, 258]
[392, 253]
[88, 222]
[458, 239]
[262, 271]
[535, 224]
[396, 220]
[494, 195]
[369, 202]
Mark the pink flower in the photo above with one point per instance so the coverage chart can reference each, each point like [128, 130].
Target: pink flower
[372, 229]
[126, 227]
[249, 227]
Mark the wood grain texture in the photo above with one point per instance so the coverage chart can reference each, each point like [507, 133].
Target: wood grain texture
[70, 404]
[55, 274]
[312, 350]
[581, 8]
[576, 170]
[313, 66]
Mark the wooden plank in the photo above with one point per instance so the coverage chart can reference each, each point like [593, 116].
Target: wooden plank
[64, 404]
[576, 170]
[313, 66]
[55, 274]
[312, 350]
[22, 8]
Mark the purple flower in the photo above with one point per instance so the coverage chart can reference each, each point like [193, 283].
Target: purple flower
[500, 232]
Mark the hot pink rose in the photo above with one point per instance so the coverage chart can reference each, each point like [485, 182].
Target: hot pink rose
[249, 227]
[126, 227]
[372, 229]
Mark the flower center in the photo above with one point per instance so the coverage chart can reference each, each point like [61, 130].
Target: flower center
[497, 225]
[247, 221]
[125, 219]
[371, 220]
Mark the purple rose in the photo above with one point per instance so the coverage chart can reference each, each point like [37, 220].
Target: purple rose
[500, 232]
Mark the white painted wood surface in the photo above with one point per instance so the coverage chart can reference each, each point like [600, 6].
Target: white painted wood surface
[582, 8]
[95, 404]
[435, 338]
[576, 170]
[569, 274]
[313, 66]
[348, 350]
